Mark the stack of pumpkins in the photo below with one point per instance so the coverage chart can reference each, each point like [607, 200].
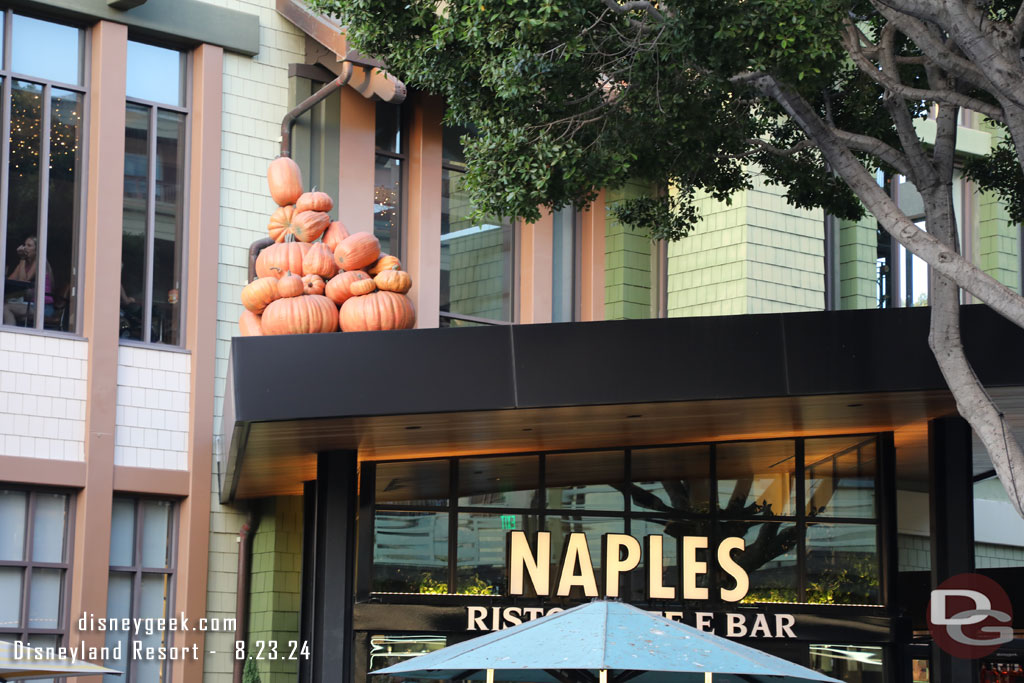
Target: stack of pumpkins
[317, 277]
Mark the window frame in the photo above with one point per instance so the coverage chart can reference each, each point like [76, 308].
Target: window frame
[8, 75]
[24, 632]
[151, 181]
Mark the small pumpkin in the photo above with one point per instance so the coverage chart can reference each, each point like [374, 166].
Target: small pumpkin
[260, 292]
[393, 281]
[385, 262]
[356, 251]
[314, 201]
[334, 234]
[290, 285]
[249, 325]
[300, 315]
[377, 311]
[361, 287]
[319, 260]
[309, 225]
[278, 259]
[338, 288]
[281, 223]
[285, 180]
[312, 284]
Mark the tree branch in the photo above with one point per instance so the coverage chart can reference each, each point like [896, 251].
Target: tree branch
[635, 6]
[877, 148]
[1018, 27]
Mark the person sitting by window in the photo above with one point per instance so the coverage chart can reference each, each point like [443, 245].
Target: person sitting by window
[20, 289]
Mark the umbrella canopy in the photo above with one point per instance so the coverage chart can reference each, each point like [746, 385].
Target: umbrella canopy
[629, 643]
[25, 669]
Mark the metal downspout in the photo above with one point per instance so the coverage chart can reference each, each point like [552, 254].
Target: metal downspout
[245, 535]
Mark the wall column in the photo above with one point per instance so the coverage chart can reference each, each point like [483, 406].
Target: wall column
[422, 237]
[592, 260]
[535, 279]
[101, 316]
[355, 161]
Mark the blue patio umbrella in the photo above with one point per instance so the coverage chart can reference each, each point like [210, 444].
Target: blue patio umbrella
[603, 642]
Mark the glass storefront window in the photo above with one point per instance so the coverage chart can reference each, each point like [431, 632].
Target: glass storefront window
[585, 481]
[770, 559]
[388, 177]
[390, 649]
[510, 482]
[480, 551]
[417, 482]
[562, 527]
[676, 479]
[842, 564]
[851, 663]
[410, 552]
[757, 478]
[840, 477]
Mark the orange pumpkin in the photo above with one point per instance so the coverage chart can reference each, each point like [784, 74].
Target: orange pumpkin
[309, 225]
[361, 287]
[377, 311]
[285, 181]
[281, 223]
[278, 259]
[319, 260]
[249, 324]
[385, 262]
[394, 281]
[260, 292]
[312, 284]
[356, 251]
[339, 290]
[290, 285]
[300, 315]
[334, 234]
[314, 201]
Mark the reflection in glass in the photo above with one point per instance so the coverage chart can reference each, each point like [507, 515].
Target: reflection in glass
[12, 525]
[153, 604]
[840, 477]
[122, 533]
[168, 227]
[913, 276]
[675, 479]
[48, 535]
[853, 663]
[156, 533]
[390, 649]
[563, 264]
[593, 527]
[757, 478]
[451, 145]
[476, 256]
[11, 581]
[671, 531]
[416, 482]
[842, 564]
[155, 74]
[481, 565]
[44, 641]
[133, 222]
[63, 208]
[389, 128]
[22, 252]
[508, 482]
[769, 559]
[585, 481]
[44, 600]
[410, 552]
[119, 606]
[387, 201]
[46, 50]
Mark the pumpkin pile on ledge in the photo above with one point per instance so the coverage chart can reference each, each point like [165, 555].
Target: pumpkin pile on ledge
[317, 277]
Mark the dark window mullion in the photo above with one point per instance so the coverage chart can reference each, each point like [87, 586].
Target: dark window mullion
[801, 514]
[147, 313]
[453, 524]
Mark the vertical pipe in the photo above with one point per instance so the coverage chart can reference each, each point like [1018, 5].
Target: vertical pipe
[242, 589]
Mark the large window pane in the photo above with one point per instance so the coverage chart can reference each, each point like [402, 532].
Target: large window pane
[48, 535]
[675, 479]
[64, 207]
[11, 581]
[757, 478]
[122, 533]
[12, 525]
[119, 606]
[45, 599]
[389, 128]
[852, 663]
[507, 482]
[563, 265]
[46, 50]
[417, 482]
[410, 552]
[153, 604]
[168, 237]
[392, 648]
[840, 477]
[593, 527]
[481, 565]
[387, 202]
[23, 203]
[671, 531]
[769, 559]
[585, 481]
[156, 533]
[134, 220]
[842, 564]
[155, 74]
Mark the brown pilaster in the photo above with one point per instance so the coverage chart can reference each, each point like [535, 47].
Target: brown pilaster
[592, 261]
[355, 173]
[200, 340]
[535, 270]
[104, 186]
[423, 230]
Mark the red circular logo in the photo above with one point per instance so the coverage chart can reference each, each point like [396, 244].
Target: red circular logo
[970, 616]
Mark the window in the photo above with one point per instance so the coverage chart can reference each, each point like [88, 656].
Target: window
[41, 146]
[476, 255]
[389, 166]
[153, 224]
[564, 264]
[141, 578]
[35, 547]
[806, 509]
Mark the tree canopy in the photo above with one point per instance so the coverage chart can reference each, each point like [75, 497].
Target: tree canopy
[818, 95]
